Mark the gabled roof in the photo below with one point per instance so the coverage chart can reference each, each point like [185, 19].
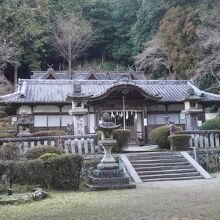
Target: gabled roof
[56, 91]
[50, 74]
[84, 75]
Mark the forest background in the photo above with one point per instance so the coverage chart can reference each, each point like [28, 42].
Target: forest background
[167, 39]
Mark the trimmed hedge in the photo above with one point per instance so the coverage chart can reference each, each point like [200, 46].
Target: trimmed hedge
[10, 151]
[48, 133]
[179, 141]
[6, 135]
[212, 124]
[49, 156]
[36, 152]
[122, 137]
[57, 173]
[160, 135]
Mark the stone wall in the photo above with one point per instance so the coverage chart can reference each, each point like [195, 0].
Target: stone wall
[208, 159]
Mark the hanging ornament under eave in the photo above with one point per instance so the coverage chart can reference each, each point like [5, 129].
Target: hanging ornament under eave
[127, 115]
[135, 115]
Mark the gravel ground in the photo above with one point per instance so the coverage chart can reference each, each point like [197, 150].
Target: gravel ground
[171, 200]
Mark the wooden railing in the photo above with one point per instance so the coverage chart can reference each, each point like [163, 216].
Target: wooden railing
[83, 144]
[204, 139]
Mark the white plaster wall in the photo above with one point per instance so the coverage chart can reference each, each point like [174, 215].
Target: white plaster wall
[24, 108]
[40, 121]
[53, 120]
[46, 108]
[66, 119]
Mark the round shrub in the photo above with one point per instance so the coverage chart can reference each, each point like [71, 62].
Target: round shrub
[49, 156]
[10, 151]
[212, 124]
[6, 135]
[48, 133]
[160, 135]
[122, 136]
[36, 152]
[179, 141]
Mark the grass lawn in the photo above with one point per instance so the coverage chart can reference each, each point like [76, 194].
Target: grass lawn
[198, 199]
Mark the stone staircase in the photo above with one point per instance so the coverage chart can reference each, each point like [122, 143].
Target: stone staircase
[161, 166]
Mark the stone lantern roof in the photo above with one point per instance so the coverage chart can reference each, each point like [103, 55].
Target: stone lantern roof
[24, 119]
[107, 124]
[192, 96]
[77, 94]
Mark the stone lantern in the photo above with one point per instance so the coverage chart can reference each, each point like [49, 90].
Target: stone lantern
[191, 110]
[108, 174]
[78, 110]
[107, 141]
[24, 123]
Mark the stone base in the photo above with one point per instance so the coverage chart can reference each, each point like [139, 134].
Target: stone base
[105, 177]
[107, 173]
[107, 166]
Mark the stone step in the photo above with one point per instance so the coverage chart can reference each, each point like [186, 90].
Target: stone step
[154, 157]
[177, 171]
[157, 161]
[112, 180]
[173, 178]
[113, 186]
[163, 168]
[172, 175]
[135, 165]
[155, 154]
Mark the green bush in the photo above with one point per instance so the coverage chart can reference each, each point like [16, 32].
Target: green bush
[212, 124]
[179, 141]
[90, 164]
[57, 173]
[122, 136]
[6, 135]
[10, 151]
[2, 114]
[49, 156]
[48, 133]
[36, 152]
[160, 135]
[63, 172]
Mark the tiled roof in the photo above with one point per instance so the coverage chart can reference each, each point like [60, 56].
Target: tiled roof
[42, 74]
[82, 75]
[56, 91]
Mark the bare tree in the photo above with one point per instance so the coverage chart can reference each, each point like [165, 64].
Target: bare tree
[7, 52]
[153, 57]
[72, 37]
[209, 49]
